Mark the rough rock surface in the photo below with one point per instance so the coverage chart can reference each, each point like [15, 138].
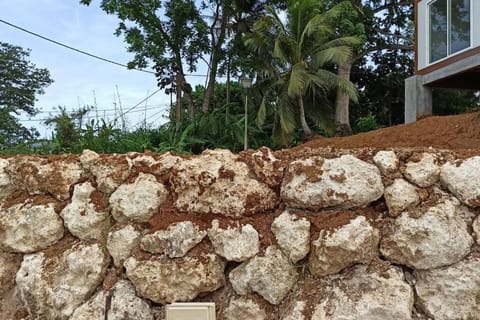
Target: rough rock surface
[386, 161]
[52, 288]
[343, 182]
[400, 195]
[272, 276]
[9, 264]
[40, 176]
[108, 175]
[267, 167]
[234, 244]
[176, 241]
[124, 305]
[121, 243]
[5, 186]
[450, 292]
[423, 173]
[164, 280]
[83, 218]
[297, 312]
[292, 234]
[463, 180]
[355, 242]
[476, 229]
[437, 238]
[218, 183]
[360, 294]
[138, 201]
[164, 164]
[27, 228]
[244, 309]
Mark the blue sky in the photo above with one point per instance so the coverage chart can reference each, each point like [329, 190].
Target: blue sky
[77, 76]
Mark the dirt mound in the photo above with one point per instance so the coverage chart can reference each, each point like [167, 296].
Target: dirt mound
[442, 132]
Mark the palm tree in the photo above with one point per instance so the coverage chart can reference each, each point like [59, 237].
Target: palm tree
[295, 55]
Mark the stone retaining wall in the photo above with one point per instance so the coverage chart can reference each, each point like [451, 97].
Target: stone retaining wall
[325, 234]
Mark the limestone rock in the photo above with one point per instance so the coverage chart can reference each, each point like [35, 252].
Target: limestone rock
[165, 163]
[6, 187]
[400, 195]
[292, 234]
[423, 173]
[217, 182]
[463, 180]
[272, 276]
[234, 244]
[355, 242]
[121, 243]
[176, 241]
[41, 176]
[9, 264]
[268, 167]
[84, 218]
[110, 173]
[164, 280]
[244, 309]
[297, 313]
[386, 161]
[437, 238]
[450, 292]
[344, 182]
[53, 287]
[360, 294]
[476, 229]
[27, 228]
[124, 305]
[138, 201]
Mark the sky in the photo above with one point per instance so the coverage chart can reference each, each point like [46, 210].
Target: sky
[79, 78]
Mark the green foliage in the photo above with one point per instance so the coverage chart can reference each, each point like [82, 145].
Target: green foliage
[367, 123]
[452, 101]
[20, 82]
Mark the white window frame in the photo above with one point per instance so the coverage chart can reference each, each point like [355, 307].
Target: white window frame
[428, 29]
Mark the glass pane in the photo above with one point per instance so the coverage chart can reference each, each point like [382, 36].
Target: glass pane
[438, 30]
[460, 25]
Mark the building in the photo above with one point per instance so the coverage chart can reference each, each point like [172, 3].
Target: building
[447, 52]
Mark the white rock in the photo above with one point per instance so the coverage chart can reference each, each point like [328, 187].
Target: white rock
[138, 201]
[386, 161]
[292, 234]
[166, 280]
[52, 288]
[360, 295]
[120, 244]
[355, 242]
[81, 217]
[476, 229]
[463, 180]
[268, 167]
[109, 172]
[6, 187]
[451, 292]
[272, 276]
[400, 195]
[164, 164]
[244, 309]
[41, 176]
[27, 228]
[234, 244]
[423, 173]
[217, 182]
[297, 313]
[437, 238]
[176, 241]
[344, 182]
[124, 305]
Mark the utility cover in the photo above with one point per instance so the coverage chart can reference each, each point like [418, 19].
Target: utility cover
[191, 311]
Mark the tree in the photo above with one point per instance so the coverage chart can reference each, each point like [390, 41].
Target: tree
[20, 82]
[302, 49]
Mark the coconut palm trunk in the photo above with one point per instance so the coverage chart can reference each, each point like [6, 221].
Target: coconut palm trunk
[306, 129]
[342, 102]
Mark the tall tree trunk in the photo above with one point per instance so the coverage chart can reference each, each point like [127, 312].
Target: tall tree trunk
[178, 107]
[342, 103]
[228, 81]
[306, 129]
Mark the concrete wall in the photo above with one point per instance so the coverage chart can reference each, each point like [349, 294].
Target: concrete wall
[320, 234]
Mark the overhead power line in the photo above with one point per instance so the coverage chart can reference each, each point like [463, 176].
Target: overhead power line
[87, 53]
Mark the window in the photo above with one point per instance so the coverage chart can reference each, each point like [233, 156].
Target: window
[449, 27]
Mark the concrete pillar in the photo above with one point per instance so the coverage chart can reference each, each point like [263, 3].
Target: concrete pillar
[418, 99]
